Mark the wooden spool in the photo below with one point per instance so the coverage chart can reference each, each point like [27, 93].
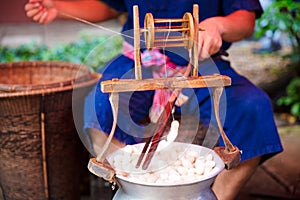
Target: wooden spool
[158, 35]
[153, 26]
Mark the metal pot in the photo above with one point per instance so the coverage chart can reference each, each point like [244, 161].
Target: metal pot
[199, 189]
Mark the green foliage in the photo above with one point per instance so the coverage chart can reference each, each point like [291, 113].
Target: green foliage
[293, 97]
[30, 51]
[283, 16]
[92, 51]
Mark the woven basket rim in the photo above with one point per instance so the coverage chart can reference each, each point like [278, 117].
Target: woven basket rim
[7, 90]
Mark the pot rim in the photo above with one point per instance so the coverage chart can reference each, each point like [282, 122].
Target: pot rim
[217, 169]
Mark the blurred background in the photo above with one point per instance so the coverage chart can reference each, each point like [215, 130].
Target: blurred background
[270, 59]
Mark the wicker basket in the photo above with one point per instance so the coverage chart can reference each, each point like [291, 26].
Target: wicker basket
[41, 155]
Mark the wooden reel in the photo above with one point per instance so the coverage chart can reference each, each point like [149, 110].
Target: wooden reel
[154, 38]
[153, 26]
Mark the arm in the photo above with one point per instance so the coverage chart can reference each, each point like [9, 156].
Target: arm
[45, 11]
[231, 28]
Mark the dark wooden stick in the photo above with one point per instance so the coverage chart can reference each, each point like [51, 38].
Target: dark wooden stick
[159, 129]
[145, 148]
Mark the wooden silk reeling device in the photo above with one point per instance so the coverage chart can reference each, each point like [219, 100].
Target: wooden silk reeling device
[188, 27]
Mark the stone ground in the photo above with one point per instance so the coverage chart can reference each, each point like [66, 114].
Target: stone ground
[277, 178]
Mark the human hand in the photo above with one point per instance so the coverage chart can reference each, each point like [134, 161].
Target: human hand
[210, 39]
[41, 11]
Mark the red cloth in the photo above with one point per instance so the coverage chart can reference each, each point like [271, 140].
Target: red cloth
[161, 67]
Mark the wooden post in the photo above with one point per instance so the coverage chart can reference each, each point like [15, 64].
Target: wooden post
[195, 49]
[137, 53]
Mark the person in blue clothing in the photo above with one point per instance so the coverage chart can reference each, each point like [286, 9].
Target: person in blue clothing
[249, 119]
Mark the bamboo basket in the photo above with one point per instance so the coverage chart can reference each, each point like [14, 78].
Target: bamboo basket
[41, 155]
